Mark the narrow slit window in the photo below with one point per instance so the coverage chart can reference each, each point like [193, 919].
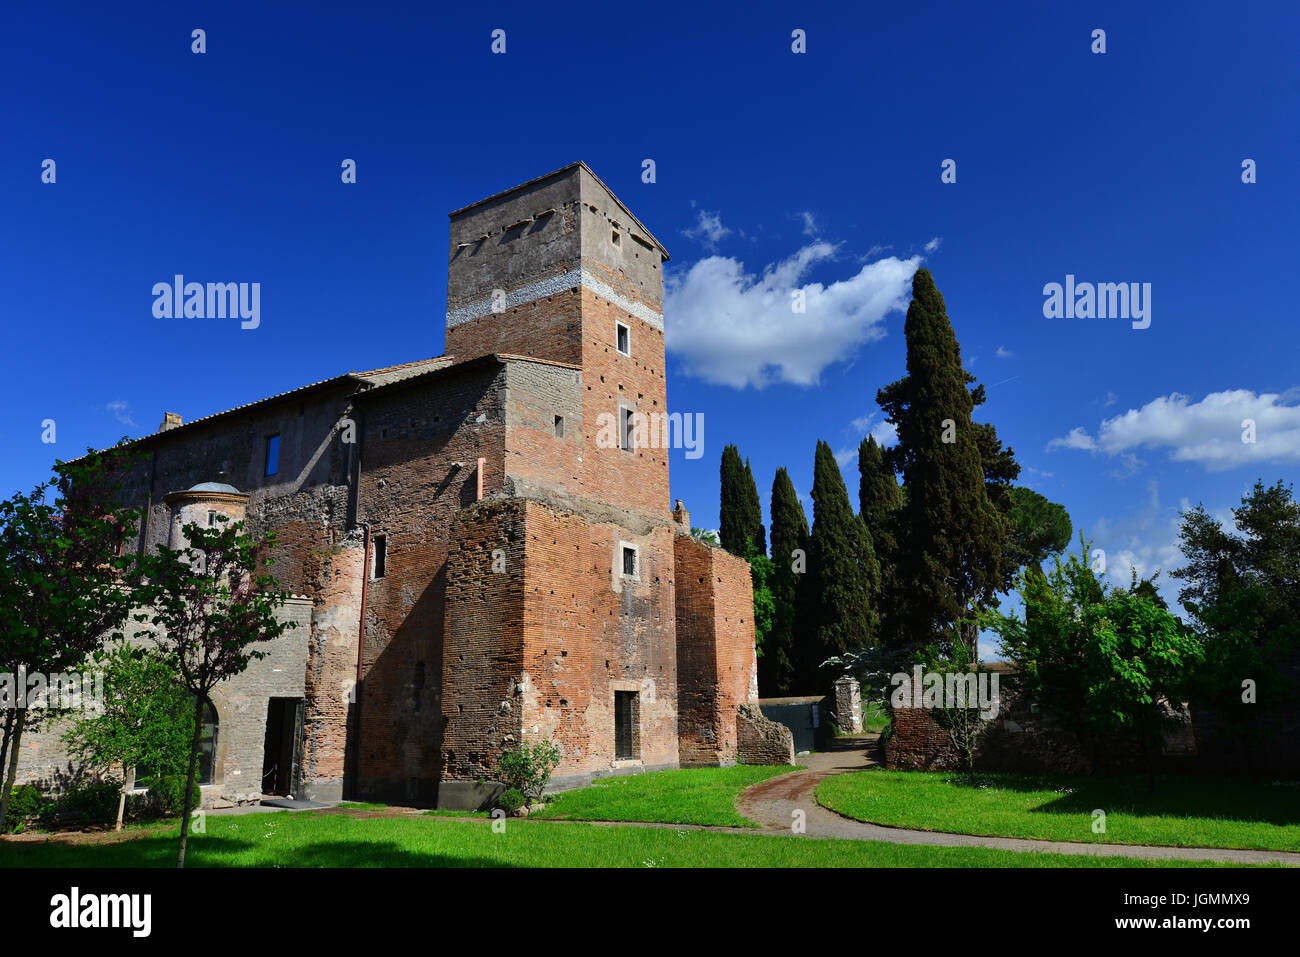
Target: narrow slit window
[212, 518]
[272, 454]
[625, 426]
[623, 339]
[625, 725]
[380, 545]
[559, 426]
[629, 561]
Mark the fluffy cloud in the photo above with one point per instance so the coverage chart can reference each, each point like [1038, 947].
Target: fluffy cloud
[1209, 432]
[1004, 353]
[934, 244]
[708, 229]
[737, 328]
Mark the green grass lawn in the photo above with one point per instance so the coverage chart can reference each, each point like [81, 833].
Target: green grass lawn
[1183, 811]
[688, 796]
[309, 839]
[875, 717]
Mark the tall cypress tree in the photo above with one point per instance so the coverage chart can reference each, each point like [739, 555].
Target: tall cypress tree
[776, 669]
[741, 513]
[733, 531]
[951, 536]
[754, 513]
[881, 500]
[844, 577]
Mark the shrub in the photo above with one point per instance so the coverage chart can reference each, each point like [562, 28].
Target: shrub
[167, 796]
[25, 804]
[528, 768]
[510, 800]
[94, 802]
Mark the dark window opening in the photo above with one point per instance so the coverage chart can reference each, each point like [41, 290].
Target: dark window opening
[629, 561]
[559, 426]
[624, 339]
[212, 518]
[381, 556]
[625, 428]
[625, 715]
[272, 454]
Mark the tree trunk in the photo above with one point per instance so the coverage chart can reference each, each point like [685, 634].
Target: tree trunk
[128, 781]
[15, 743]
[6, 735]
[189, 780]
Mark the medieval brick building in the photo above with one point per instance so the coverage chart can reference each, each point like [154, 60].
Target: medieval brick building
[479, 564]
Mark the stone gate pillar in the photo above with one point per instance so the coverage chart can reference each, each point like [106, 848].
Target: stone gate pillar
[848, 705]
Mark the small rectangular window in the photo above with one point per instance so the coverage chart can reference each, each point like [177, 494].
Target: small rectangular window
[380, 546]
[629, 561]
[559, 426]
[623, 339]
[212, 518]
[272, 454]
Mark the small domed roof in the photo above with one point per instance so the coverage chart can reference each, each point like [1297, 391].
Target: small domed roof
[215, 487]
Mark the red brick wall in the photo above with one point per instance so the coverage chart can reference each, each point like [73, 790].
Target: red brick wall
[715, 649]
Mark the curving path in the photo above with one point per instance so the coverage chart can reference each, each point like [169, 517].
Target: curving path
[773, 803]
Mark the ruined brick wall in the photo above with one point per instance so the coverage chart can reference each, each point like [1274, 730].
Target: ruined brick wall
[760, 740]
[715, 648]
[410, 492]
[1023, 737]
[484, 642]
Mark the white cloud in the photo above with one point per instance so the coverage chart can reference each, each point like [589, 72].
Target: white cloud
[809, 223]
[1078, 438]
[1004, 353]
[934, 244]
[121, 411]
[1145, 541]
[736, 328]
[1209, 432]
[1111, 398]
[845, 456]
[708, 229]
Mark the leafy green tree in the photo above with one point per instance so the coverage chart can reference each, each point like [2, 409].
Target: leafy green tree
[147, 718]
[1039, 527]
[741, 525]
[951, 537]
[844, 576]
[62, 589]
[211, 606]
[1105, 662]
[1243, 593]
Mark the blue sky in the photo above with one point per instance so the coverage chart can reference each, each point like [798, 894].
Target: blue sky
[775, 171]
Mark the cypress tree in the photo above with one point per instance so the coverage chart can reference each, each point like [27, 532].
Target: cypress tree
[741, 513]
[951, 537]
[881, 500]
[754, 513]
[776, 669]
[843, 575]
[733, 529]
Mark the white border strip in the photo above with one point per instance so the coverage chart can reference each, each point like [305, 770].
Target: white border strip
[549, 287]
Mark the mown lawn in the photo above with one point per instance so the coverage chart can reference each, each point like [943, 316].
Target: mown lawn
[309, 839]
[1182, 812]
[688, 796]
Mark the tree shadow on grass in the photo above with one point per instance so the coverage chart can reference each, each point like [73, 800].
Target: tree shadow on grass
[1235, 799]
[207, 852]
